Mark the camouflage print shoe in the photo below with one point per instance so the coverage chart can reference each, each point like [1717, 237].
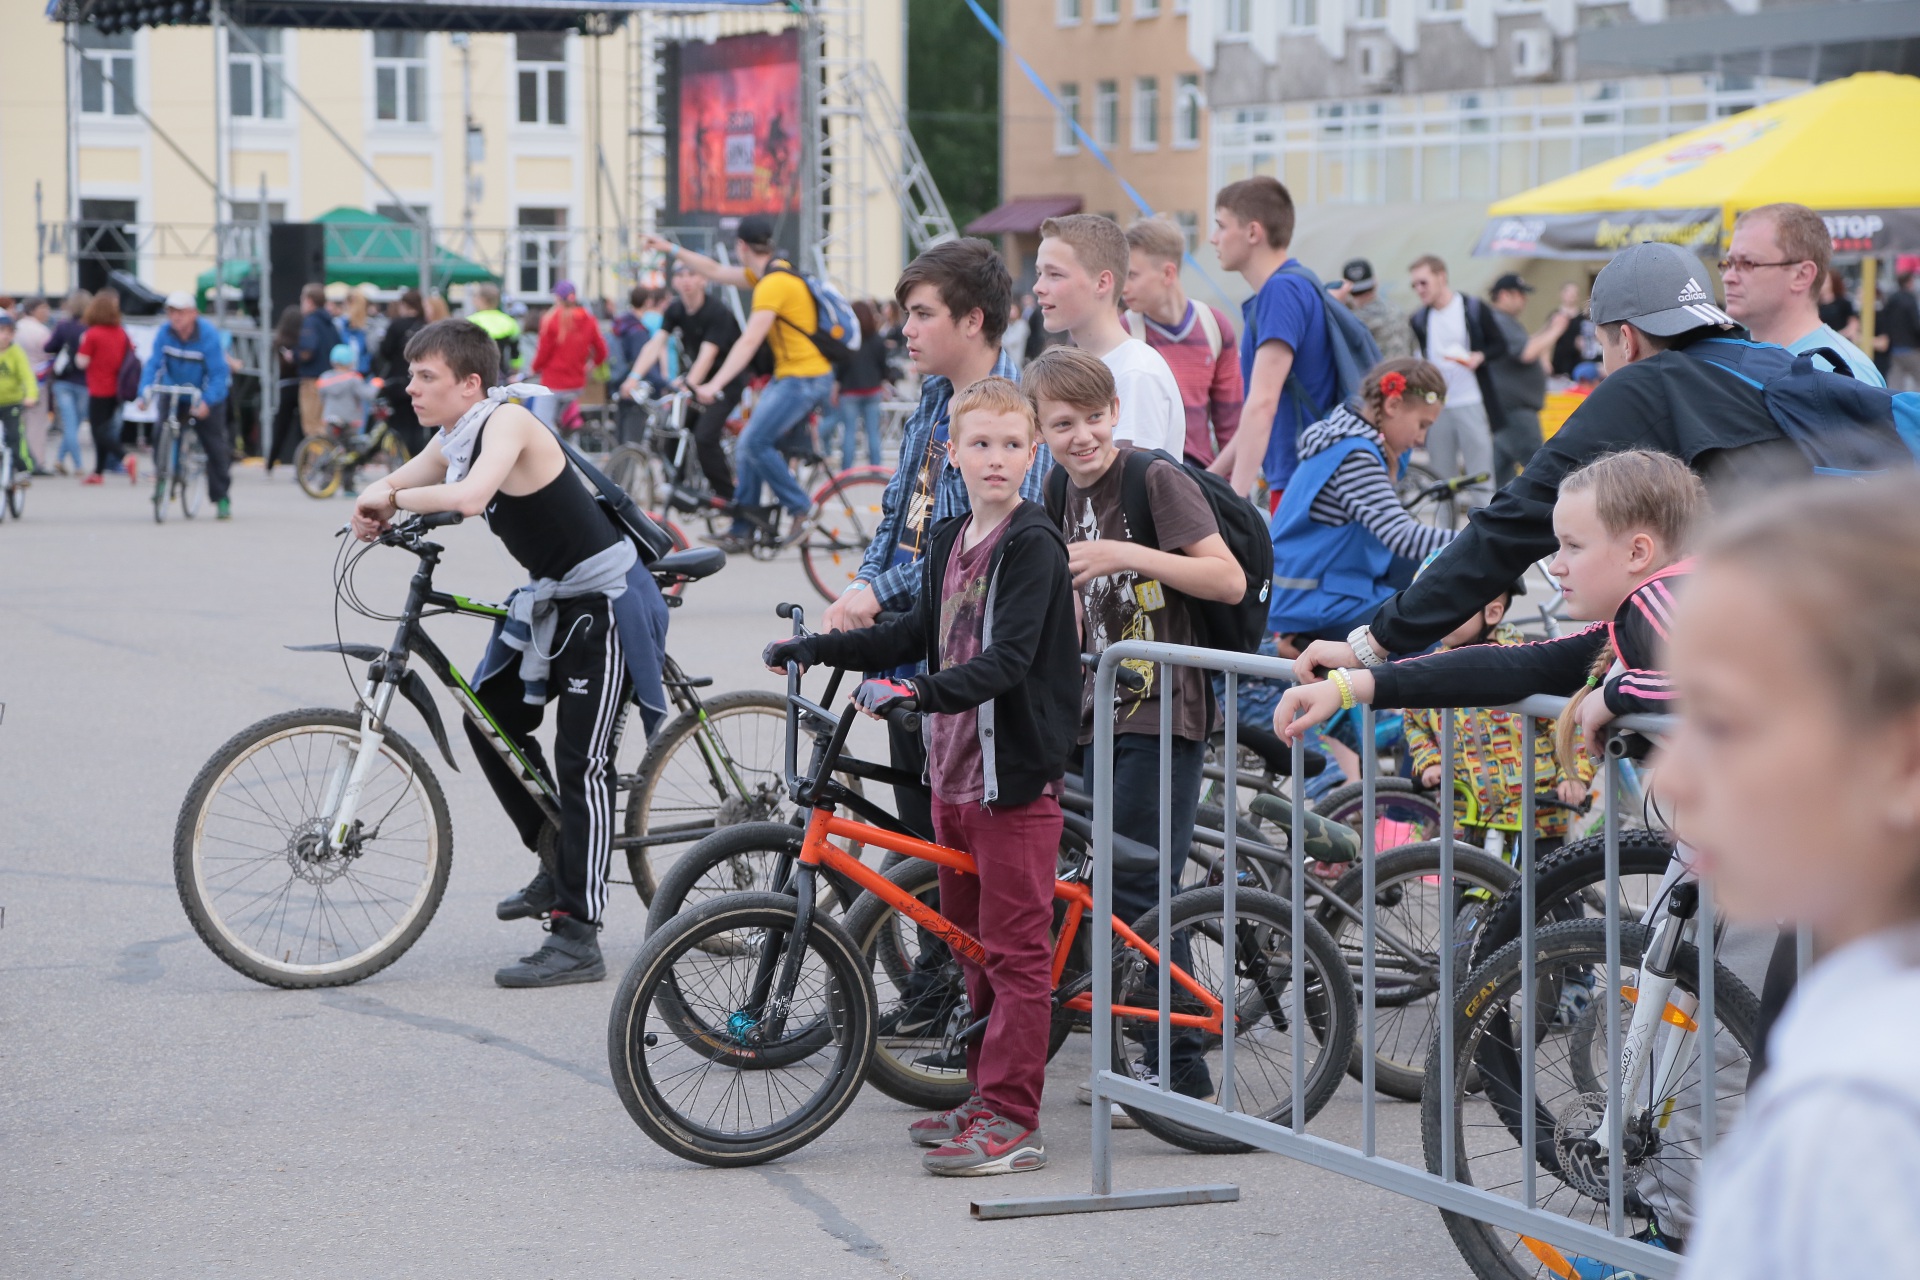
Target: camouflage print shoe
[992, 1144]
[1327, 841]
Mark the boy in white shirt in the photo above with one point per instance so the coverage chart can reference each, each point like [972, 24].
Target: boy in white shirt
[1082, 267]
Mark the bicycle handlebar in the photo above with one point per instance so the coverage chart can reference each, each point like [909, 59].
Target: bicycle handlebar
[1125, 676]
[1448, 488]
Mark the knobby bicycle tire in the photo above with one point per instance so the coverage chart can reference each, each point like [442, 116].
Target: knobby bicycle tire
[1399, 1049]
[1576, 870]
[1486, 1074]
[253, 753]
[667, 1102]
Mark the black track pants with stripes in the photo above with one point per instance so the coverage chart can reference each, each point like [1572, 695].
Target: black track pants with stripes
[588, 682]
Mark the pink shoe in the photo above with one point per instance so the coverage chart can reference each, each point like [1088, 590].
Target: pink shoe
[133, 469]
[93, 477]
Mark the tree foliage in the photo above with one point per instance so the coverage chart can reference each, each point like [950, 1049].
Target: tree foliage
[953, 101]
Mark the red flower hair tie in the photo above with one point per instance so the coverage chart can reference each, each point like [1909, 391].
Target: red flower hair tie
[1393, 384]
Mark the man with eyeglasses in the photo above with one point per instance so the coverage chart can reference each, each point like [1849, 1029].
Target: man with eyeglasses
[1774, 266]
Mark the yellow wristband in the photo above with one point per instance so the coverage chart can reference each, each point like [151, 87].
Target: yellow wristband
[1342, 683]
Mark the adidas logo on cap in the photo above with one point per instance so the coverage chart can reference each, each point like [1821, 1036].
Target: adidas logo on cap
[1692, 293]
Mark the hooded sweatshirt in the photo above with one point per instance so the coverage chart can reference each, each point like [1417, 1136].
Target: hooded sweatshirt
[1821, 1179]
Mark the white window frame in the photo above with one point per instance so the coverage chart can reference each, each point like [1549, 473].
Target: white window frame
[261, 69]
[1066, 13]
[1369, 14]
[544, 72]
[1234, 21]
[542, 249]
[1146, 9]
[1442, 10]
[1106, 12]
[1188, 96]
[1066, 139]
[1106, 113]
[1189, 224]
[1146, 113]
[402, 67]
[1303, 15]
[118, 99]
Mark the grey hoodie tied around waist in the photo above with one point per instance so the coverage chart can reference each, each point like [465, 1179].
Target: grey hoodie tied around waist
[533, 611]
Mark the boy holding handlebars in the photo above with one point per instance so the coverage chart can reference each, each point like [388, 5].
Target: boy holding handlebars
[994, 622]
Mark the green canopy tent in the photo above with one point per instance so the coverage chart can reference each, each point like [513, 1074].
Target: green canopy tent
[367, 248]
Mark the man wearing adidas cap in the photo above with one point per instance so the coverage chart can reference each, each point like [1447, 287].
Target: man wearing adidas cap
[1648, 304]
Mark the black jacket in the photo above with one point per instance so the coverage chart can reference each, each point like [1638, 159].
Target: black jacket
[1492, 675]
[1484, 336]
[1026, 680]
[1671, 402]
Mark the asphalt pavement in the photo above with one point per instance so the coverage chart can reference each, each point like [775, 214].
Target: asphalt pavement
[161, 1115]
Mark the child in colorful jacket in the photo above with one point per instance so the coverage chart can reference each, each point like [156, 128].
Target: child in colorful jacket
[1488, 755]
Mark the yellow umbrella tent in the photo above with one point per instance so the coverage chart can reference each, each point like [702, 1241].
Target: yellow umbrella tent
[1849, 148]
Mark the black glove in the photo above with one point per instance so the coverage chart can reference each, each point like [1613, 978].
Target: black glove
[778, 654]
[883, 694]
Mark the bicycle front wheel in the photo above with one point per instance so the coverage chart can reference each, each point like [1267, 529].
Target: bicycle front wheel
[16, 494]
[316, 465]
[694, 1057]
[631, 467]
[262, 884]
[848, 513]
[1663, 1118]
[720, 764]
[191, 483]
[162, 471]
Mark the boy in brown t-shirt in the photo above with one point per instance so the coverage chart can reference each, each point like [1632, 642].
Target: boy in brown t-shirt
[1131, 589]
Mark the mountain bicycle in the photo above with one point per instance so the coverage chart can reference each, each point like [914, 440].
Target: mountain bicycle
[313, 848]
[1653, 1010]
[323, 463]
[179, 463]
[741, 1052]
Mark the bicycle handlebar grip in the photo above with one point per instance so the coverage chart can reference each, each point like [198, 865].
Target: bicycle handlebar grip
[1128, 678]
[904, 720]
[784, 610]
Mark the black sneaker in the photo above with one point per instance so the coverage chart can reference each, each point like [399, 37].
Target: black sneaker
[537, 899]
[571, 954]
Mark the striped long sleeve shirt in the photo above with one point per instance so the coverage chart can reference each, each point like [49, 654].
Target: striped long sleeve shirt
[1360, 489]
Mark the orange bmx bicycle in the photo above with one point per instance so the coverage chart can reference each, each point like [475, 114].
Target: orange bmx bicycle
[745, 1026]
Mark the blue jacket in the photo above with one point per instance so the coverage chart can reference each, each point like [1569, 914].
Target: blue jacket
[313, 350]
[1324, 574]
[199, 361]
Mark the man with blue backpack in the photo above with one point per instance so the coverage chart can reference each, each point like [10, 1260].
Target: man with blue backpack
[1299, 355]
[1682, 378]
[807, 326]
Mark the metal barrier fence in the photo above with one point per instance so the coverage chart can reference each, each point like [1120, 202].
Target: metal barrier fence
[1553, 1161]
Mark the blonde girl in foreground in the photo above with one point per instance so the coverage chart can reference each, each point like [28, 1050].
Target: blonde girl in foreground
[1795, 776]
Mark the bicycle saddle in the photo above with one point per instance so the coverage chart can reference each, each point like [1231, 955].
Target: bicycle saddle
[1128, 855]
[692, 564]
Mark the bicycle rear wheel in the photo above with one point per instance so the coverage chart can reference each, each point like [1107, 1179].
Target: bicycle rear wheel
[849, 511]
[1664, 1119]
[191, 483]
[16, 490]
[1402, 813]
[260, 881]
[685, 1043]
[316, 466]
[1263, 986]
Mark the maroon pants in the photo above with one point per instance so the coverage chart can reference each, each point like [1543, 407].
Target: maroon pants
[1009, 907]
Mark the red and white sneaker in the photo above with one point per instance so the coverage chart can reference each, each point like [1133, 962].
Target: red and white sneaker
[937, 1131]
[992, 1144]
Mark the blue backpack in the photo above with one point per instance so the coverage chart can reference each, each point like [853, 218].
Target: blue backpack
[1843, 426]
[1348, 340]
[836, 331]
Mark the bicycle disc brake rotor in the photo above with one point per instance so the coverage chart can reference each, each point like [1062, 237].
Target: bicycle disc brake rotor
[1582, 1149]
[314, 859]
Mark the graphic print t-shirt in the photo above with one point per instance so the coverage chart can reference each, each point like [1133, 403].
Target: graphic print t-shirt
[1127, 606]
[953, 753]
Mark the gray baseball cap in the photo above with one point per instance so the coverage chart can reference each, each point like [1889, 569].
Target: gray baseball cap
[1659, 289]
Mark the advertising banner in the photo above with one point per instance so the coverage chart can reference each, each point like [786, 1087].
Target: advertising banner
[737, 149]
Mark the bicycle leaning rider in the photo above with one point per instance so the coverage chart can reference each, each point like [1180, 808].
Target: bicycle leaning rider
[588, 630]
[187, 353]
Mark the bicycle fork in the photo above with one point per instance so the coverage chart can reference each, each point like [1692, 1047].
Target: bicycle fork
[1655, 1001]
[343, 792]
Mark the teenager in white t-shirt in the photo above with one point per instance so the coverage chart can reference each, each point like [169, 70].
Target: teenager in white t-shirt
[1081, 268]
[1457, 334]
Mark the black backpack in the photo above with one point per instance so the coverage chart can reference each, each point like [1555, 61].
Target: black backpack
[1239, 627]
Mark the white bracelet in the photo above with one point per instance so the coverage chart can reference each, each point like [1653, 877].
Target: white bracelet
[1363, 648]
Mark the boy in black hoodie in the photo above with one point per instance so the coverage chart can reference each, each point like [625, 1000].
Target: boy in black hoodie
[995, 623]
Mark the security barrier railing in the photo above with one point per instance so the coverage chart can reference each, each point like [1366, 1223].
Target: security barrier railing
[1537, 1174]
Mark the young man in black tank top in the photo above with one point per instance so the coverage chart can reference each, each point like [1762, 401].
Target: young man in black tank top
[506, 465]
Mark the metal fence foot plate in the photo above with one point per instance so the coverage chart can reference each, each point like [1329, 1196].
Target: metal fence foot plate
[1157, 1198]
